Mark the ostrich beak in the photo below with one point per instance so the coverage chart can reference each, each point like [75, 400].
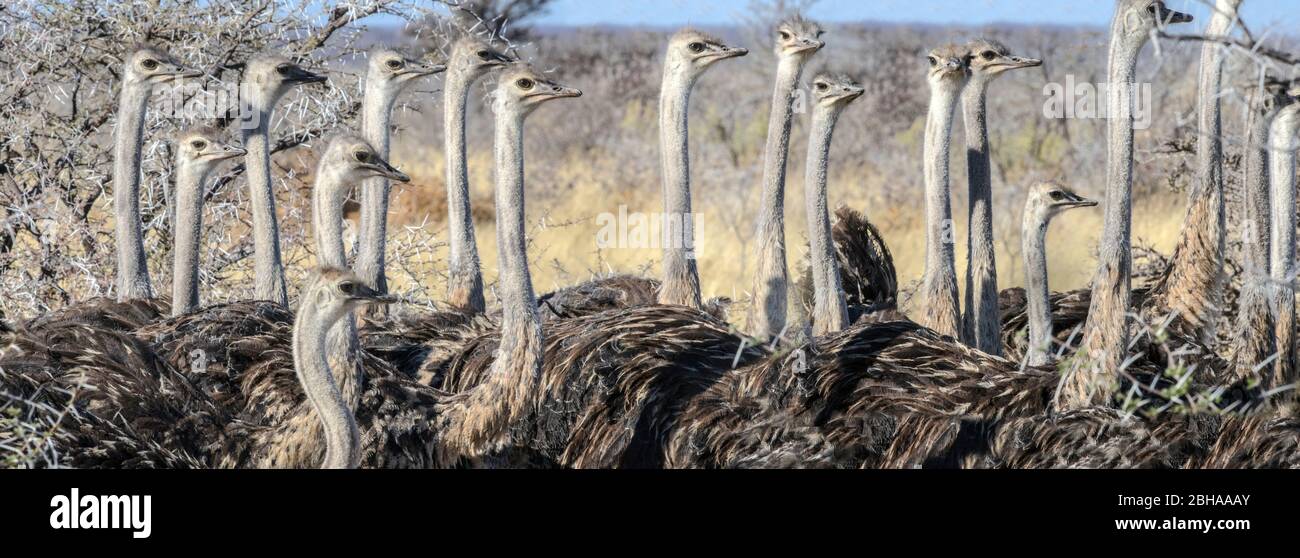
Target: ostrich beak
[1078, 201]
[421, 69]
[1168, 16]
[297, 75]
[562, 92]
[1023, 62]
[230, 152]
[811, 45]
[730, 52]
[363, 294]
[499, 61]
[846, 94]
[386, 170]
[186, 73]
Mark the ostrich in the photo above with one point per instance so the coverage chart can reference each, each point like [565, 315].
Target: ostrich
[198, 152]
[1106, 332]
[948, 74]
[470, 60]
[689, 55]
[266, 79]
[144, 68]
[480, 415]
[409, 342]
[832, 93]
[1192, 288]
[135, 304]
[388, 75]
[331, 297]
[797, 40]
[988, 60]
[400, 422]
[1254, 317]
[1045, 201]
[1282, 168]
[347, 161]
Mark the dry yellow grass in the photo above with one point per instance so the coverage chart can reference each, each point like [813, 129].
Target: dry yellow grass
[563, 207]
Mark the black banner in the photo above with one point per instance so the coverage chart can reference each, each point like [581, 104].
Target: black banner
[305, 509]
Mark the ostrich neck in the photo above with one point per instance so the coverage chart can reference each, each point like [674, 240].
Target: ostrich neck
[1255, 320]
[1196, 271]
[681, 280]
[1033, 234]
[982, 323]
[267, 269]
[478, 419]
[770, 279]
[132, 265]
[342, 438]
[1282, 163]
[830, 313]
[375, 117]
[328, 197]
[189, 228]
[1257, 235]
[1106, 332]
[940, 281]
[327, 220]
[464, 275]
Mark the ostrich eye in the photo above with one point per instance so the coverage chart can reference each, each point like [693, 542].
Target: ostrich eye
[988, 55]
[934, 61]
[696, 47]
[394, 64]
[347, 287]
[198, 145]
[524, 83]
[821, 86]
[149, 64]
[483, 54]
[1056, 195]
[282, 69]
[362, 156]
[785, 36]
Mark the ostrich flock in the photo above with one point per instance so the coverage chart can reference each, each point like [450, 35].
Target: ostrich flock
[628, 371]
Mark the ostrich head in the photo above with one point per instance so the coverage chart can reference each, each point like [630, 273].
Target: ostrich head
[1138, 18]
[1049, 199]
[147, 66]
[202, 148]
[798, 37]
[696, 52]
[335, 292]
[949, 67]
[473, 58]
[835, 91]
[350, 159]
[989, 59]
[521, 89]
[272, 76]
[392, 71]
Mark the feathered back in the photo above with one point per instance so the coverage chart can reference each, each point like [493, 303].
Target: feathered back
[867, 272]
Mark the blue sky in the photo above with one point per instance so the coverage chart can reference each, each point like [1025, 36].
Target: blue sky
[1259, 14]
